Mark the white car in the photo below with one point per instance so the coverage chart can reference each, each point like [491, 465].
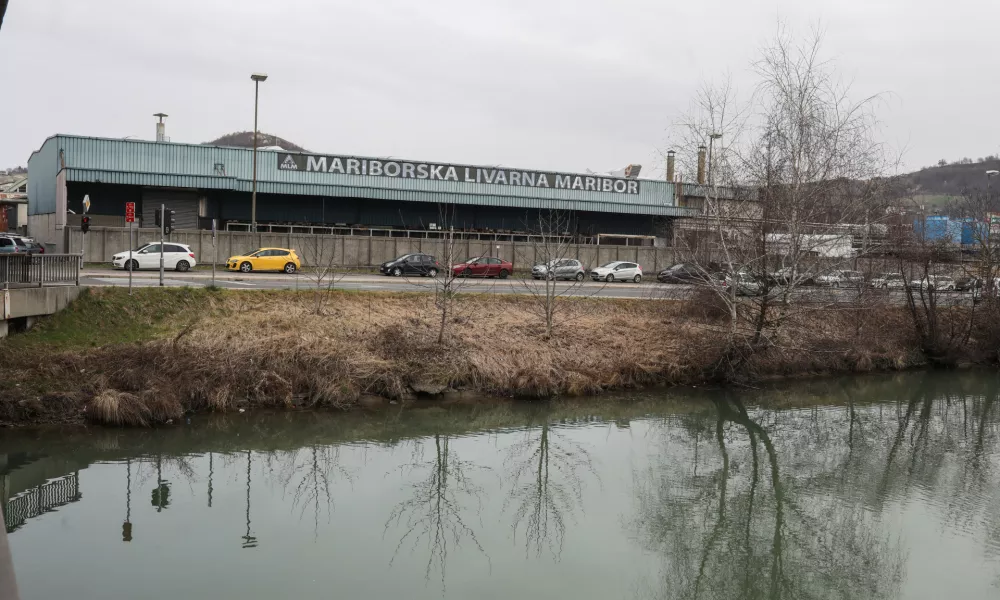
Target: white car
[619, 270]
[889, 281]
[938, 283]
[176, 257]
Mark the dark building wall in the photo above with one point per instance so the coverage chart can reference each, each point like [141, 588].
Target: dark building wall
[273, 208]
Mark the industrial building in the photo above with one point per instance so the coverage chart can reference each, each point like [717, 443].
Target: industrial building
[202, 182]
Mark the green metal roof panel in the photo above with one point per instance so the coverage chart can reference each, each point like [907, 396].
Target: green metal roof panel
[166, 164]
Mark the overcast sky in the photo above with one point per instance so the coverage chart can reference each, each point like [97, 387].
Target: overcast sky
[547, 84]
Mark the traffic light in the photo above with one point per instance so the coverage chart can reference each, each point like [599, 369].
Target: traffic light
[170, 220]
[85, 224]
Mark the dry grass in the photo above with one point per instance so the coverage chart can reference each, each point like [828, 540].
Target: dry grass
[270, 349]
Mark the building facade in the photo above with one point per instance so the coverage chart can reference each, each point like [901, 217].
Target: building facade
[201, 183]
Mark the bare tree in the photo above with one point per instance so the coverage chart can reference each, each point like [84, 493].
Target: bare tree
[551, 235]
[799, 170]
[321, 255]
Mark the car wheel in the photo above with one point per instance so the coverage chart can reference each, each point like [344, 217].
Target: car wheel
[551, 277]
[246, 267]
[836, 284]
[132, 265]
[289, 268]
[637, 279]
[182, 266]
[467, 273]
[433, 272]
[579, 276]
[609, 278]
[503, 273]
[397, 272]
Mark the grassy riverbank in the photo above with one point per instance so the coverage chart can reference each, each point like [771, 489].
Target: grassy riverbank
[140, 360]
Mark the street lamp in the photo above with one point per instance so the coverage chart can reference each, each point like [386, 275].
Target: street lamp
[257, 78]
[711, 163]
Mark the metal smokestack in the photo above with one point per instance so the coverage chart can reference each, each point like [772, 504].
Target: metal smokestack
[670, 165]
[161, 128]
[701, 164]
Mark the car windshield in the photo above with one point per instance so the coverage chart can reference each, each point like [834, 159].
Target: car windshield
[256, 252]
[473, 259]
[610, 265]
[892, 276]
[401, 257]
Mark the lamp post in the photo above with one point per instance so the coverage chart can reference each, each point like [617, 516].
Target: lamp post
[711, 163]
[257, 78]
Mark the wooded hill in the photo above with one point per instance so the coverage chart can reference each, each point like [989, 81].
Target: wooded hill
[244, 139]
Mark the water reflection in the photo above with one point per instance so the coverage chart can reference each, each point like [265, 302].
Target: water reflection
[546, 472]
[435, 511]
[864, 488]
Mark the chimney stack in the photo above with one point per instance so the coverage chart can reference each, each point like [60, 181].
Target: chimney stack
[161, 128]
[670, 165]
[701, 164]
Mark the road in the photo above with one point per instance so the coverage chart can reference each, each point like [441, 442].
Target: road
[379, 283]
[376, 283]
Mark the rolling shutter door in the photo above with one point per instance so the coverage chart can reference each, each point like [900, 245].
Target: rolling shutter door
[184, 205]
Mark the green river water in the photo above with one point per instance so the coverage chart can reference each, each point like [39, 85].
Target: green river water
[868, 487]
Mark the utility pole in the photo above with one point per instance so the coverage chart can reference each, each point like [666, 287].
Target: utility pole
[257, 78]
[163, 222]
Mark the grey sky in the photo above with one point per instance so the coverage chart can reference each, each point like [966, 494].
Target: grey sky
[554, 84]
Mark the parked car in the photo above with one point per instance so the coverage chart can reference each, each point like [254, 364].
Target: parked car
[841, 278]
[24, 244]
[411, 264]
[483, 266]
[745, 284]
[790, 275]
[176, 257]
[889, 281]
[938, 283]
[9, 246]
[559, 268]
[680, 273]
[968, 284]
[618, 270]
[265, 259]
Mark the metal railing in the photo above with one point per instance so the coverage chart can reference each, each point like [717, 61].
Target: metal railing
[40, 500]
[38, 270]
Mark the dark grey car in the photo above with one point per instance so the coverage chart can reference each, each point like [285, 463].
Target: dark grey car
[560, 268]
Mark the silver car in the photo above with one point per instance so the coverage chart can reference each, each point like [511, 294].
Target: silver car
[559, 268]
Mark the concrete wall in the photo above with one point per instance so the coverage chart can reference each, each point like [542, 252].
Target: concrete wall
[38, 301]
[352, 251]
[43, 229]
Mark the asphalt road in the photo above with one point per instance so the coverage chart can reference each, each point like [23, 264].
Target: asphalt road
[379, 283]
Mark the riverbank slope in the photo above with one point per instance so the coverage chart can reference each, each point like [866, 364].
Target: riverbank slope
[140, 360]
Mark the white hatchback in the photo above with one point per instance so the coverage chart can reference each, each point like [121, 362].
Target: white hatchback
[176, 257]
[618, 271]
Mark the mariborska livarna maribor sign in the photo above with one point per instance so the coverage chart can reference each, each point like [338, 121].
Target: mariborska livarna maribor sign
[376, 167]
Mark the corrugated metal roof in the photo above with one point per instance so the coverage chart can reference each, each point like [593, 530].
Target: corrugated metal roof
[167, 164]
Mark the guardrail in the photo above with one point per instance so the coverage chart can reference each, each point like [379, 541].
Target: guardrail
[38, 270]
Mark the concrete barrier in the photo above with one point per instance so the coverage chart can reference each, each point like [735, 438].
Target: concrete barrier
[24, 305]
[354, 251]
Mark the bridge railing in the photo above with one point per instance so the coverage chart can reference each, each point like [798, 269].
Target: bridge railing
[37, 270]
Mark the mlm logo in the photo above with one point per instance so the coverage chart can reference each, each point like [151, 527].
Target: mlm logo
[289, 163]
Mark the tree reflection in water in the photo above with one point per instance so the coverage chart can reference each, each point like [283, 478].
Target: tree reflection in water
[308, 472]
[433, 514]
[546, 469]
[734, 526]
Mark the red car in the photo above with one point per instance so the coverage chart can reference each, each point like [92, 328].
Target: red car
[483, 266]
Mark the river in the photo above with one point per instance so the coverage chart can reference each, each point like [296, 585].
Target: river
[865, 487]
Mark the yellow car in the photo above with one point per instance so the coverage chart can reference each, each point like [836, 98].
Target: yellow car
[265, 259]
